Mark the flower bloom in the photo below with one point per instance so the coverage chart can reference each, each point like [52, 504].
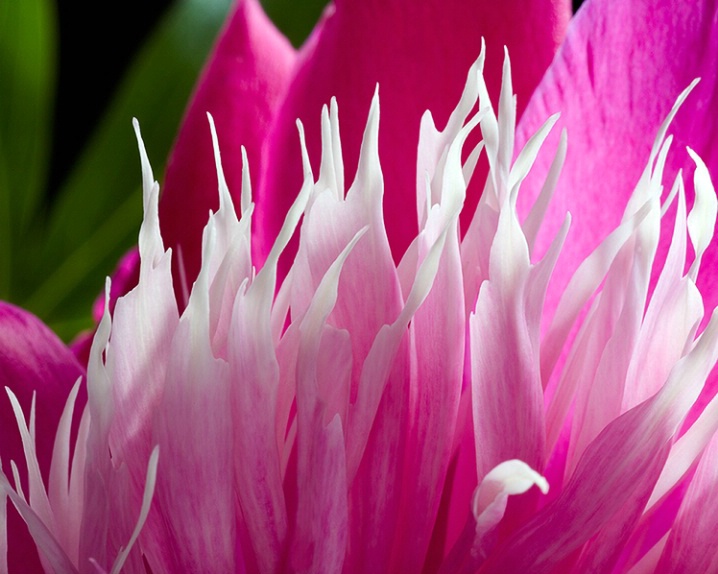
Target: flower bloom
[364, 416]
[434, 384]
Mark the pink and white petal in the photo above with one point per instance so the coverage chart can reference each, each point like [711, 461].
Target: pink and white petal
[378, 426]
[506, 383]
[321, 452]
[53, 554]
[401, 45]
[321, 531]
[143, 324]
[438, 329]
[254, 369]
[241, 86]
[110, 502]
[32, 360]
[228, 255]
[691, 545]
[437, 334]
[459, 486]
[368, 280]
[649, 535]
[488, 506]
[615, 475]
[322, 507]
[374, 500]
[671, 320]
[586, 348]
[192, 426]
[611, 106]
[617, 315]
[687, 450]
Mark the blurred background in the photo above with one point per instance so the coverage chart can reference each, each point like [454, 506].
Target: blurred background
[118, 44]
[67, 149]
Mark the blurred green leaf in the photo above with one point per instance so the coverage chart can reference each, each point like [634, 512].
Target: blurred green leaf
[27, 73]
[295, 19]
[97, 215]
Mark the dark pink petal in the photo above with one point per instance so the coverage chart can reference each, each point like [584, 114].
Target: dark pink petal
[614, 80]
[241, 87]
[32, 359]
[419, 54]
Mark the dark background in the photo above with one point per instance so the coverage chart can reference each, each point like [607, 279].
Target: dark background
[84, 89]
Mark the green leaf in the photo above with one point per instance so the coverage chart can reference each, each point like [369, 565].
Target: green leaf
[295, 19]
[27, 83]
[98, 212]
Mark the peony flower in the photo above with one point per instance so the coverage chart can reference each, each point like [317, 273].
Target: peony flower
[462, 390]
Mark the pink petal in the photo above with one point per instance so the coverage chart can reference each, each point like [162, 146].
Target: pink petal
[241, 87]
[322, 509]
[368, 280]
[506, 382]
[255, 373]
[439, 329]
[419, 54]
[614, 80]
[32, 359]
[369, 283]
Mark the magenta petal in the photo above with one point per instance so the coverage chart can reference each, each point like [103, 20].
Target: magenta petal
[241, 87]
[614, 81]
[32, 359]
[419, 54]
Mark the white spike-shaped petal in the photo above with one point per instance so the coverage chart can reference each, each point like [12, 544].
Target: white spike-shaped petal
[17, 481]
[506, 118]
[702, 218]
[3, 531]
[266, 278]
[150, 240]
[38, 496]
[52, 554]
[246, 199]
[336, 145]
[63, 506]
[226, 205]
[328, 178]
[527, 156]
[144, 511]
[537, 214]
